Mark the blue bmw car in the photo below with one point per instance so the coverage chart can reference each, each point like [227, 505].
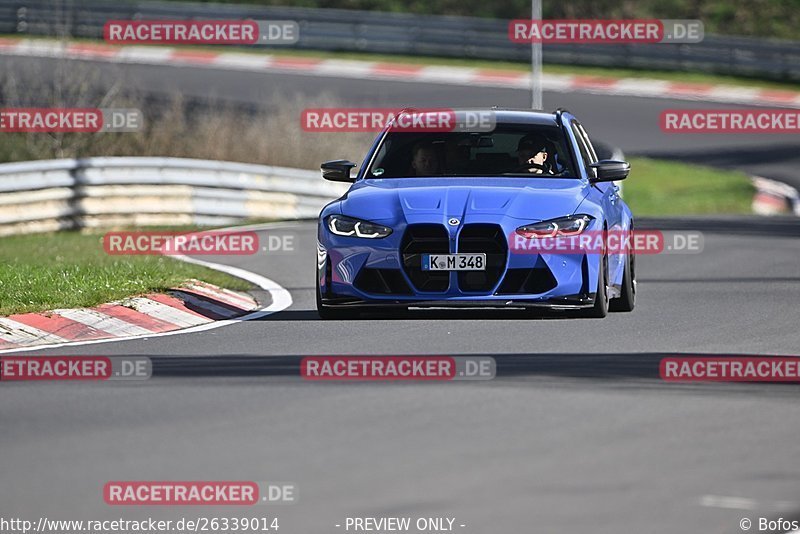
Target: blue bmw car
[436, 218]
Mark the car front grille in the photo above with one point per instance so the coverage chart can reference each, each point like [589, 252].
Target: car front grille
[488, 239]
[422, 239]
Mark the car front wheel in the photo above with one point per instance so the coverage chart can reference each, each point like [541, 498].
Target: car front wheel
[600, 308]
[627, 299]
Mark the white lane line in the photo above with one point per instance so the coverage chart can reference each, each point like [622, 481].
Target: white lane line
[103, 322]
[743, 503]
[731, 503]
[281, 299]
[22, 334]
[165, 313]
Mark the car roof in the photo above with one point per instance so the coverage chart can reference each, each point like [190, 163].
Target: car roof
[514, 116]
[520, 116]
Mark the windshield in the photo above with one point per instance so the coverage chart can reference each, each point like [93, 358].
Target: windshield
[509, 150]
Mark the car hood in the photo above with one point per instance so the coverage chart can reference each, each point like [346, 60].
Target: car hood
[528, 199]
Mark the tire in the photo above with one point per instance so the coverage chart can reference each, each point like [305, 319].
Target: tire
[334, 314]
[627, 299]
[600, 308]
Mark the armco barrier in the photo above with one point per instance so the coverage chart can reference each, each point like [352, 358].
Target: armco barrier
[42, 196]
[399, 33]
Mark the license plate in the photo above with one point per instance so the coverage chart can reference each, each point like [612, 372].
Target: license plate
[454, 262]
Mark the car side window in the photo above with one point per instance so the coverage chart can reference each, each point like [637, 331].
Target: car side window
[377, 170]
[588, 141]
[586, 149]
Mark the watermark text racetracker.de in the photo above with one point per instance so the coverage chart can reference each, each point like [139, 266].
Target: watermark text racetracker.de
[547, 240]
[611, 31]
[189, 32]
[199, 493]
[392, 368]
[432, 120]
[730, 121]
[730, 369]
[72, 368]
[204, 243]
[70, 120]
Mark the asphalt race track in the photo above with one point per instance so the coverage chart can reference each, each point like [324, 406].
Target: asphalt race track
[576, 434]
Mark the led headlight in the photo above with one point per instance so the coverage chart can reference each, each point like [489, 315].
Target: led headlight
[348, 226]
[561, 227]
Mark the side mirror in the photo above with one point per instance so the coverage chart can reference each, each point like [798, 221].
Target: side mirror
[609, 170]
[338, 170]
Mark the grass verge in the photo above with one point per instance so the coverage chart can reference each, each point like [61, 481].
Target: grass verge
[42, 272]
[666, 188]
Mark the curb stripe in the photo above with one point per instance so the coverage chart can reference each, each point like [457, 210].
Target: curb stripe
[395, 69]
[106, 323]
[90, 50]
[594, 82]
[166, 313]
[177, 304]
[22, 334]
[144, 54]
[137, 318]
[216, 310]
[776, 95]
[690, 88]
[193, 56]
[60, 326]
[238, 306]
[194, 323]
[485, 75]
[293, 63]
[241, 61]
[243, 302]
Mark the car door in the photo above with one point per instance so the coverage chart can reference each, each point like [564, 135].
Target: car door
[611, 201]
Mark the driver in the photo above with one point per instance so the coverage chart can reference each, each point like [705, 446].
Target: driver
[534, 149]
[424, 159]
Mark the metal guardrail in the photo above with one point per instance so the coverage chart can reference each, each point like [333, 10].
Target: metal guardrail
[397, 33]
[50, 195]
[774, 198]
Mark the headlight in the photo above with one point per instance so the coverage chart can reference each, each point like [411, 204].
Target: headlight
[563, 226]
[348, 226]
